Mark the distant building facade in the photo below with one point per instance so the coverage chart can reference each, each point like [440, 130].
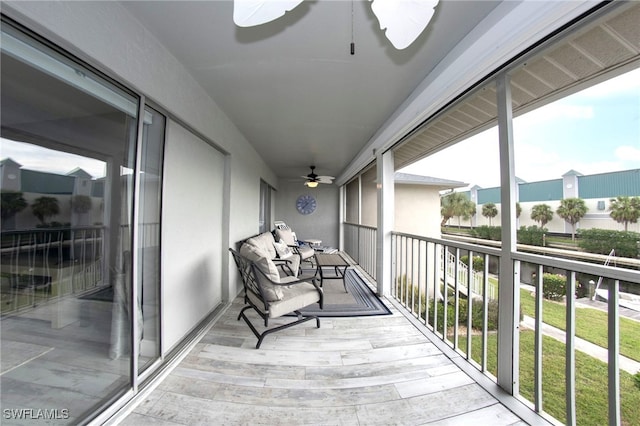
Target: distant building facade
[35, 184]
[596, 190]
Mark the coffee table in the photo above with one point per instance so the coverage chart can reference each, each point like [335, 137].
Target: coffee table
[335, 261]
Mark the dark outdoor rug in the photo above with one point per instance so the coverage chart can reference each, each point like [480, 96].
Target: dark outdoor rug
[105, 294]
[359, 301]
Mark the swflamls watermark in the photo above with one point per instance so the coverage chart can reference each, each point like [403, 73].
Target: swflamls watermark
[35, 413]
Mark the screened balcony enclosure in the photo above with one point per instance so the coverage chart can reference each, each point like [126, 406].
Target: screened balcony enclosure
[142, 140]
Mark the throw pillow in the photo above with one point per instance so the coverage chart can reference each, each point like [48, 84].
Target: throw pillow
[272, 292]
[282, 249]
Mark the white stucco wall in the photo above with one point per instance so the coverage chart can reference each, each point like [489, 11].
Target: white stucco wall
[322, 224]
[191, 241]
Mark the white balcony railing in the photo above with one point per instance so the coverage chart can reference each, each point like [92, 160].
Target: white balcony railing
[360, 244]
[431, 280]
[39, 265]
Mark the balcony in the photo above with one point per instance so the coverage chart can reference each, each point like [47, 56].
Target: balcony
[359, 370]
[199, 138]
[420, 268]
[404, 368]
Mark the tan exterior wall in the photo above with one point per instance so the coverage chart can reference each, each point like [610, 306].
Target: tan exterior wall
[417, 210]
[352, 203]
[369, 198]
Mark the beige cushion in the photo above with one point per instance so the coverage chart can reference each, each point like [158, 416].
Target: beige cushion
[306, 252]
[266, 265]
[264, 242]
[286, 235]
[288, 279]
[296, 296]
[294, 264]
[263, 246]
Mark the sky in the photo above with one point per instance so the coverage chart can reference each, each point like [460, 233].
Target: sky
[34, 157]
[593, 131]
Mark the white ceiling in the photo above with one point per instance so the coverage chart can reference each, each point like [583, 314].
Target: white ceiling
[291, 86]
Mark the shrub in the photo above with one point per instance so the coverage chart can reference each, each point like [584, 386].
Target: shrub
[637, 379]
[401, 283]
[488, 232]
[531, 235]
[478, 262]
[602, 241]
[492, 315]
[450, 312]
[407, 292]
[477, 313]
[554, 286]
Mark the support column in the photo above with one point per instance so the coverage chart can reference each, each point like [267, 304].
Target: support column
[360, 199]
[508, 291]
[342, 216]
[386, 210]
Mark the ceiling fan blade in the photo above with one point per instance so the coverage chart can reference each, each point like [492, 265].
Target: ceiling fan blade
[325, 179]
[248, 13]
[404, 20]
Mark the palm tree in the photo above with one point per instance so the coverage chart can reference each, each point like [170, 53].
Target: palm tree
[625, 210]
[572, 210]
[489, 210]
[447, 208]
[44, 208]
[542, 213]
[469, 211]
[456, 204]
[81, 203]
[11, 202]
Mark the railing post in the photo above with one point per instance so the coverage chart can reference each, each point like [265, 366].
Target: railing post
[570, 351]
[508, 293]
[386, 211]
[613, 343]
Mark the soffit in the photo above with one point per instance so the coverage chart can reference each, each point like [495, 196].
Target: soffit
[599, 49]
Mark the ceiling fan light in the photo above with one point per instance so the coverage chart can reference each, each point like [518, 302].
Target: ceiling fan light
[311, 184]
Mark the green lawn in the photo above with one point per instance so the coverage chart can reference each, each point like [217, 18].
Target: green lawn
[591, 380]
[591, 324]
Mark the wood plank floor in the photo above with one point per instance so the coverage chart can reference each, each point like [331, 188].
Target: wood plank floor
[376, 370]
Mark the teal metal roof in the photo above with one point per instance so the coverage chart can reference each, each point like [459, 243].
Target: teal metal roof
[609, 185]
[46, 183]
[541, 191]
[489, 195]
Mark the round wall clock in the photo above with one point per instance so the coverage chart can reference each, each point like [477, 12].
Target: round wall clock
[306, 204]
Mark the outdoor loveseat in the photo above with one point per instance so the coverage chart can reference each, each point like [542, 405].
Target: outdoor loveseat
[265, 246]
[270, 291]
[285, 234]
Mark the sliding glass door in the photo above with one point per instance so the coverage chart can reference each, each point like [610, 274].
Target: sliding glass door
[74, 238]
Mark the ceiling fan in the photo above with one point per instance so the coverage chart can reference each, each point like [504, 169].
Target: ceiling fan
[402, 20]
[312, 179]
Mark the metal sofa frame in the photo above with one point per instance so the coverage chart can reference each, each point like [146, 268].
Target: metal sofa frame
[251, 276]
